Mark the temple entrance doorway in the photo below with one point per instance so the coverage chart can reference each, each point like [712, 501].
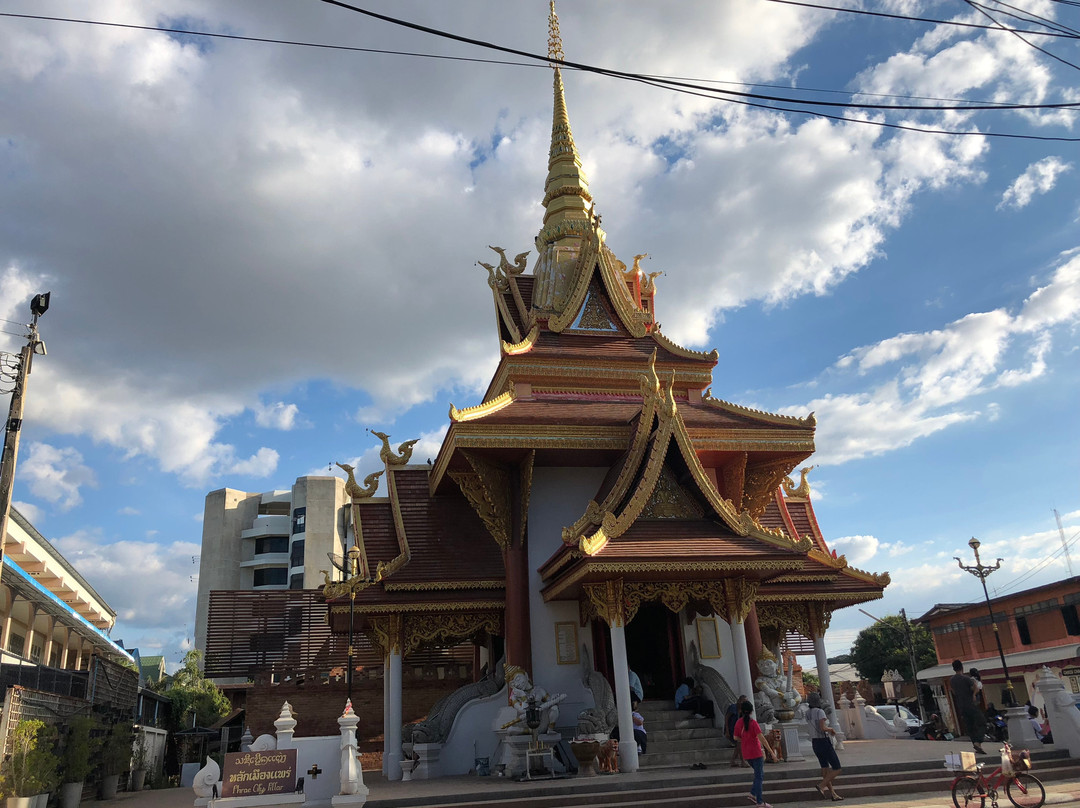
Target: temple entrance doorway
[654, 650]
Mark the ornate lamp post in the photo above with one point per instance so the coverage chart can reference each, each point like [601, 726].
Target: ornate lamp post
[981, 571]
[349, 586]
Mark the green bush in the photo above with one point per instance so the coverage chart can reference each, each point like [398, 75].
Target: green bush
[116, 753]
[32, 767]
[79, 749]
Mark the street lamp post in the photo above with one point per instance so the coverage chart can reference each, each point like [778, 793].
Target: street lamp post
[350, 568]
[19, 371]
[981, 571]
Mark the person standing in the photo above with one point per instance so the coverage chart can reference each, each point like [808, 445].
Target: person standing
[754, 746]
[964, 694]
[635, 686]
[823, 747]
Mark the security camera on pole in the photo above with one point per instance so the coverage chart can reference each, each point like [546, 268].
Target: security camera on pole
[17, 372]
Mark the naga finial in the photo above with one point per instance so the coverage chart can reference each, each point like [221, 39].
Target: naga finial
[386, 454]
[354, 489]
[505, 266]
[637, 262]
[802, 491]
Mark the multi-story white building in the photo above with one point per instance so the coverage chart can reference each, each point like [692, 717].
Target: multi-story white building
[268, 541]
[49, 614]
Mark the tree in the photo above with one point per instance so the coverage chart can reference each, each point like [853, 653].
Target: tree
[839, 658]
[809, 679]
[191, 692]
[884, 646]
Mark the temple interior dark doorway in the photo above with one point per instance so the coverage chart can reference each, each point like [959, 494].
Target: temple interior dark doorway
[654, 649]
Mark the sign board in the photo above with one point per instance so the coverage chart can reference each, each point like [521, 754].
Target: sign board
[257, 774]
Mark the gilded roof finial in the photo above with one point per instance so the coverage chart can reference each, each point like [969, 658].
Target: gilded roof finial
[555, 50]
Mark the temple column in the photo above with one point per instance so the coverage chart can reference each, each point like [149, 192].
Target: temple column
[518, 620]
[753, 637]
[389, 632]
[46, 653]
[608, 600]
[739, 596]
[742, 660]
[826, 684]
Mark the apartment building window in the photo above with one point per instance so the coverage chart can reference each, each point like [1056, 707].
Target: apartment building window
[1038, 622]
[16, 643]
[296, 581]
[54, 657]
[37, 649]
[1069, 614]
[299, 520]
[271, 576]
[296, 555]
[272, 544]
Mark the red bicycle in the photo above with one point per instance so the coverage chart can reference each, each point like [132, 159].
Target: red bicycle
[1024, 790]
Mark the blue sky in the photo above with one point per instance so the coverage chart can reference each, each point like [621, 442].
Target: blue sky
[257, 252]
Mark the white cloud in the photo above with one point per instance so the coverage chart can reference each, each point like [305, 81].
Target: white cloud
[127, 510]
[278, 415]
[156, 597]
[56, 475]
[933, 378]
[32, 512]
[858, 549]
[1038, 178]
[261, 464]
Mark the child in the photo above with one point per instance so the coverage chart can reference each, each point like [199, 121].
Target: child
[749, 735]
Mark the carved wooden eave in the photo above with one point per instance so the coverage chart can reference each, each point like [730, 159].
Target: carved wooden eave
[660, 422]
[678, 350]
[480, 410]
[487, 488]
[522, 345]
[758, 415]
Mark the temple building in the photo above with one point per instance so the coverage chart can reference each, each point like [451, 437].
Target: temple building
[598, 509]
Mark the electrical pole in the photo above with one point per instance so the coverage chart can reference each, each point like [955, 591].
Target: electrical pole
[13, 428]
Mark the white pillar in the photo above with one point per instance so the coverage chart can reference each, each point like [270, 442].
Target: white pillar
[826, 687]
[386, 713]
[393, 718]
[742, 660]
[628, 756]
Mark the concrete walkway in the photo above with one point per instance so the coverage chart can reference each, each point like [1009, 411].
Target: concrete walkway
[855, 753]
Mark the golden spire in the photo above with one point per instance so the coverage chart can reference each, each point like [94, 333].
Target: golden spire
[568, 214]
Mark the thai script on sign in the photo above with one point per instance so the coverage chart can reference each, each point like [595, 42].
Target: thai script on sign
[250, 774]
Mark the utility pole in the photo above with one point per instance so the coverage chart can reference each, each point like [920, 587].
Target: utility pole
[13, 428]
[1064, 543]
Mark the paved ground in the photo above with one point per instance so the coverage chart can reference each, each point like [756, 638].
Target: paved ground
[1060, 792]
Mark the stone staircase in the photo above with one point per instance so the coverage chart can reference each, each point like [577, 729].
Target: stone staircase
[678, 741]
[726, 788]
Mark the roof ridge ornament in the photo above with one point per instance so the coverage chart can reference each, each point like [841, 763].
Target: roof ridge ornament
[555, 50]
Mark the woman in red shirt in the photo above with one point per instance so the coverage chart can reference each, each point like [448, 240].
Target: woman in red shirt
[754, 745]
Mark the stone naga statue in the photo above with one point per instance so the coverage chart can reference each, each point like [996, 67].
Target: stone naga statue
[598, 720]
[440, 718]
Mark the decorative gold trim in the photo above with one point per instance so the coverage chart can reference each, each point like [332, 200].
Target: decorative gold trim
[422, 586]
[606, 601]
[481, 410]
[386, 632]
[819, 619]
[760, 415]
[449, 628]
[337, 589]
[824, 597]
[686, 353]
[434, 607]
[525, 345]
[633, 318]
[784, 616]
[803, 489]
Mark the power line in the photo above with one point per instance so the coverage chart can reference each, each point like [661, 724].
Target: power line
[673, 84]
[981, 9]
[479, 60]
[1038, 567]
[677, 86]
[929, 20]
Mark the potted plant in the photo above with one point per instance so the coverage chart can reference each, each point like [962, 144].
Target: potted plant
[139, 761]
[75, 760]
[115, 758]
[30, 773]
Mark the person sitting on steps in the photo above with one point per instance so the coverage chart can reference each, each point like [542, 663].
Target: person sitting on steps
[686, 698]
